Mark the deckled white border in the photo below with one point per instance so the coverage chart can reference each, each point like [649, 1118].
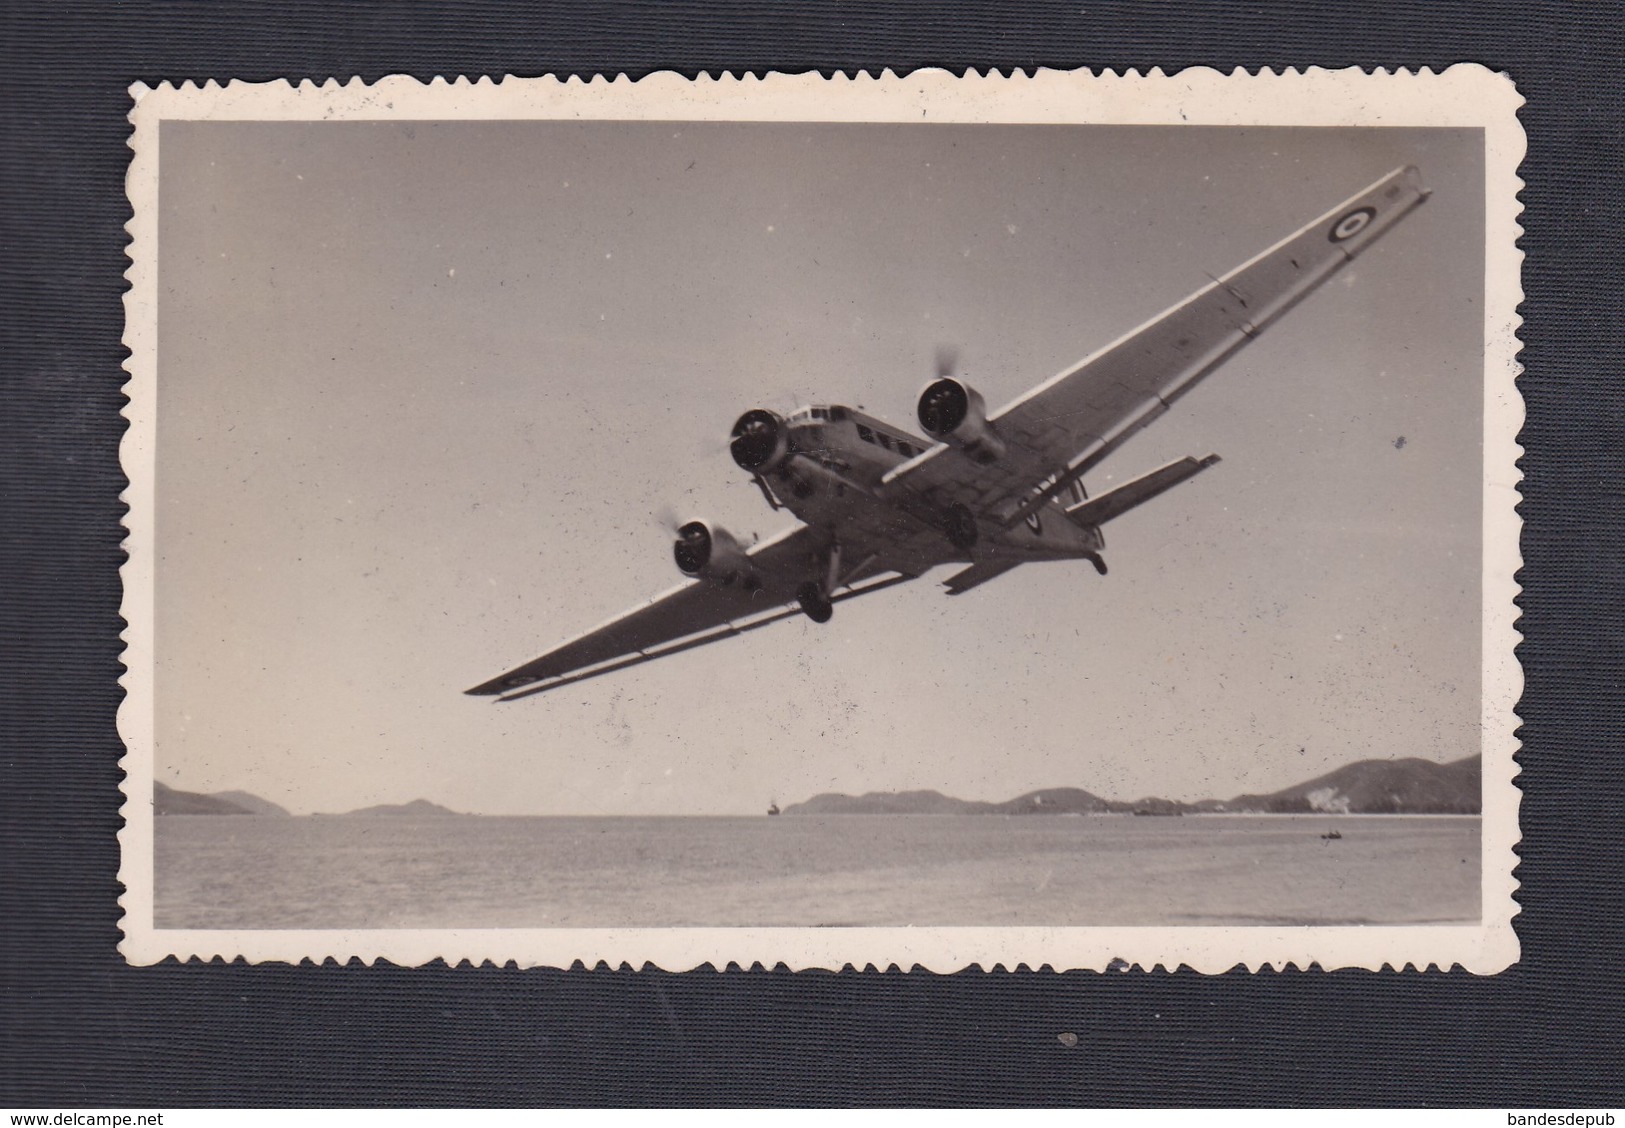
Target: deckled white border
[1464, 95]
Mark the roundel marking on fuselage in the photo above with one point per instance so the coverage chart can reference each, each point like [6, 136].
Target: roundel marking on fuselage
[1352, 224]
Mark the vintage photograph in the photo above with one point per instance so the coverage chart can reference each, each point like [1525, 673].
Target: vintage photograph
[927, 521]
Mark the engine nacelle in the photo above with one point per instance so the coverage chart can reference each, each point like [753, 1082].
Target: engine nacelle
[761, 441]
[713, 554]
[953, 411]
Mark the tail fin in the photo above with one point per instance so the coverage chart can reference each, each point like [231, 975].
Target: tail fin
[1115, 503]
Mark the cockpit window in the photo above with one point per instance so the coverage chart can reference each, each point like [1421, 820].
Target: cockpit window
[885, 439]
[820, 413]
[837, 414]
[906, 448]
[865, 434]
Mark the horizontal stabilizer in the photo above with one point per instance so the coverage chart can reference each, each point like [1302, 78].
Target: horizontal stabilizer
[1115, 503]
[977, 575]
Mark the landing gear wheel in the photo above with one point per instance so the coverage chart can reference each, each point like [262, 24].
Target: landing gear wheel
[962, 531]
[1099, 562]
[813, 602]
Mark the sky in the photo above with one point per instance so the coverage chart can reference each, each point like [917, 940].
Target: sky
[429, 394]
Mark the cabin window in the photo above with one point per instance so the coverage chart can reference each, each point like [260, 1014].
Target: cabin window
[885, 440]
[906, 448]
[820, 413]
[865, 434]
[837, 414]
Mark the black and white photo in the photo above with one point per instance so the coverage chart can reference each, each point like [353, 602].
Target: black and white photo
[934, 522]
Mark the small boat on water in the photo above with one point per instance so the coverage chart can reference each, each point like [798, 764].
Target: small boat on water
[772, 808]
[1333, 836]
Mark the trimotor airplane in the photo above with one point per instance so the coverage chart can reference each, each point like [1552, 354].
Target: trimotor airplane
[881, 506]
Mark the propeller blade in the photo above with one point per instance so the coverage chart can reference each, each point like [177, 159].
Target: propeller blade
[667, 518]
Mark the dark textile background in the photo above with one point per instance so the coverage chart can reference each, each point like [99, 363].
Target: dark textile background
[81, 1029]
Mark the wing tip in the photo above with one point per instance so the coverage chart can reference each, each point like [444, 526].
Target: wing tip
[1412, 176]
[496, 687]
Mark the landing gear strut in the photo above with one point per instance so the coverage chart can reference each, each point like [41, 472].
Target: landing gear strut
[961, 530]
[814, 602]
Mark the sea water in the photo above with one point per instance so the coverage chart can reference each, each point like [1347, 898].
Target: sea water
[248, 872]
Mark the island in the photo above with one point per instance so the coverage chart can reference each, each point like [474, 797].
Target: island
[168, 800]
[1408, 786]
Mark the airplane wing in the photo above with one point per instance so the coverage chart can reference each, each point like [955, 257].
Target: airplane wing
[687, 616]
[1067, 424]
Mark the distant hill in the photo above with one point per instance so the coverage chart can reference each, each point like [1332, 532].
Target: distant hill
[1055, 801]
[167, 800]
[252, 803]
[1369, 787]
[888, 803]
[417, 807]
[1379, 787]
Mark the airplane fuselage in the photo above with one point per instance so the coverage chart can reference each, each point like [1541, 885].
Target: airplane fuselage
[831, 473]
